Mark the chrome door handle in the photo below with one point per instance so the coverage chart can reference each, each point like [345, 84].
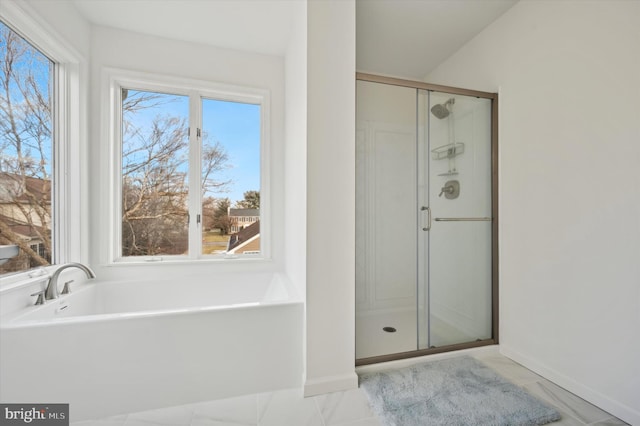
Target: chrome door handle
[428, 210]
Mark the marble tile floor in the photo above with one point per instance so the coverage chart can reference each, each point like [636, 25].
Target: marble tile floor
[348, 408]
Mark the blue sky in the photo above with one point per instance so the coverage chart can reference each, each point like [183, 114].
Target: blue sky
[237, 127]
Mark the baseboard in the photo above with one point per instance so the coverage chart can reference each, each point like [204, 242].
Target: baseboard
[330, 384]
[621, 411]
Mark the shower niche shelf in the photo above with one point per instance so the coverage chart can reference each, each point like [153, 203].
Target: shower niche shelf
[447, 151]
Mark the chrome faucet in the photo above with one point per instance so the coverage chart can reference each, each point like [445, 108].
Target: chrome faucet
[52, 288]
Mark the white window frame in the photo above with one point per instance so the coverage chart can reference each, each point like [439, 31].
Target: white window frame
[114, 81]
[69, 211]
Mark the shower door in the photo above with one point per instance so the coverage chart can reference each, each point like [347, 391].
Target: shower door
[424, 221]
[386, 204]
[455, 252]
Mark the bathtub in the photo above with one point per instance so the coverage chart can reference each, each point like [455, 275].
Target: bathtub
[117, 347]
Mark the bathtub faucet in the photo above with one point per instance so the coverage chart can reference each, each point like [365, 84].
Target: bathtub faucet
[52, 289]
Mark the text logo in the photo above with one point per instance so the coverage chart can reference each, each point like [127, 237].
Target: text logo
[35, 414]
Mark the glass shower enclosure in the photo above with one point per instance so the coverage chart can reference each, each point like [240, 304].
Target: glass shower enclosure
[426, 219]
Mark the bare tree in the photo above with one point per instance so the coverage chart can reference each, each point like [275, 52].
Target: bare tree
[221, 217]
[208, 211]
[154, 183]
[214, 160]
[25, 143]
[155, 195]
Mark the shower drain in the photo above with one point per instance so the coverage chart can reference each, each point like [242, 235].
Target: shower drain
[389, 329]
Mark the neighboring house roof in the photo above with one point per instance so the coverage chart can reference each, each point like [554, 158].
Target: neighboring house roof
[17, 188]
[243, 236]
[244, 212]
[27, 232]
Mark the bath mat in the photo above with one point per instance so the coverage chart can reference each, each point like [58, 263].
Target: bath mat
[456, 391]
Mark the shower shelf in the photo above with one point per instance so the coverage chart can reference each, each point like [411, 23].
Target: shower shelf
[447, 151]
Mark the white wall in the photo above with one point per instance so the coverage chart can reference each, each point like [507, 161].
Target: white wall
[295, 159]
[568, 74]
[63, 17]
[135, 52]
[330, 196]
[295, 164]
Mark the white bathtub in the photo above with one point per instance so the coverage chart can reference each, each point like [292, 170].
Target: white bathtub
[115, 347]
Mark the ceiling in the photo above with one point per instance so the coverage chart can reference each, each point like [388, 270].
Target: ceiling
[409, 38]
[405, 38]
[261, 26]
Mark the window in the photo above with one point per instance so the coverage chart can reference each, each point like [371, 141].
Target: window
[39, 248]
[186, 158]
[54, 219]
[26, 151]
[155, 179]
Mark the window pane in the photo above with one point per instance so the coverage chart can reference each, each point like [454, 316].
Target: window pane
[26, 128]
[230, 177]
[155, 152]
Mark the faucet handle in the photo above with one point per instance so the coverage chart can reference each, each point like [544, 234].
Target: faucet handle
[447, 189]
[40, 300]
[66, 289]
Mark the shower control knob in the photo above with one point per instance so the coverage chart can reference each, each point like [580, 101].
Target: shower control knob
[448, 189]
[451, 190]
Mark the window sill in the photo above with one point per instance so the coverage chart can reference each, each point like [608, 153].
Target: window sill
[15, 280]
[174, 261]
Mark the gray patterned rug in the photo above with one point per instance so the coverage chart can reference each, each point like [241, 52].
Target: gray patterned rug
[456, 391]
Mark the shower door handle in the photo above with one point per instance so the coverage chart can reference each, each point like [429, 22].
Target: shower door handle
[463, 219]
[428, 210]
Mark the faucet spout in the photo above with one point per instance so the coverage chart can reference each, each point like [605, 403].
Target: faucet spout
[52, 291]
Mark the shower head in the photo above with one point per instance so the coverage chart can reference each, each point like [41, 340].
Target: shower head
[442, 110]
